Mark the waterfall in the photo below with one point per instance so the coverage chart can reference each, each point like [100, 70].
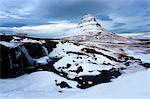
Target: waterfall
[44, 50]
[25, 52]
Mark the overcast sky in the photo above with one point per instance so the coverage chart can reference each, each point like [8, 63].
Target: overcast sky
[59, 15]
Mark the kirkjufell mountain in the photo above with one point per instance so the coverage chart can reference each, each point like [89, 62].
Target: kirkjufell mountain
[89, 29]
[88, 24]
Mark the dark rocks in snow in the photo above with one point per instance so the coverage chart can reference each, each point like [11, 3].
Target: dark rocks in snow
[146, 65]
[7, 38]
[127, 63]
[114, 73]
[92, 51]
[79, 69]
[63, 84]
[91, 80]
[106, 63]
[68, 66]
[77, 53]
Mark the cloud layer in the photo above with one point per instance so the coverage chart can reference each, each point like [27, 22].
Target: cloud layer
[115, 15]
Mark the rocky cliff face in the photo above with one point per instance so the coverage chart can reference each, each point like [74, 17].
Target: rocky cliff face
[17, 58]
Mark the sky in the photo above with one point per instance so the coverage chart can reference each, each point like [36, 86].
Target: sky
[58, 16]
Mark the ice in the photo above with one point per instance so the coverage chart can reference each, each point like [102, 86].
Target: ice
[9, 44]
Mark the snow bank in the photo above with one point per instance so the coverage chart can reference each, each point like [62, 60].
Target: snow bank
[41, 85]
[37, 85]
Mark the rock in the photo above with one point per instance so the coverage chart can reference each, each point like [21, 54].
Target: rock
[13, 62]
[91, 80]
[7, 38]
[50, 45]
[35, 50]
[63, 84]
[146, 65]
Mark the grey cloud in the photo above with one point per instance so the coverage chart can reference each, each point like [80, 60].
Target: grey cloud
[117, 24]
[37, 12]
[104, 17]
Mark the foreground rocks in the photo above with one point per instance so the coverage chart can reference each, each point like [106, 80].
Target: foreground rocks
[105, 76]
[20, 57]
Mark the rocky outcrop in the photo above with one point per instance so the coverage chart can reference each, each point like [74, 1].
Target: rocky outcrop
[35, 50]
[21, 58]
[13, 61]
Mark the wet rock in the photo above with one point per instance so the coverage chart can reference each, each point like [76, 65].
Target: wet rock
[50, 45]
[12, 62]
[35, 50]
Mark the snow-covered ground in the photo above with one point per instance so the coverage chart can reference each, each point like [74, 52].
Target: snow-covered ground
[41, 85]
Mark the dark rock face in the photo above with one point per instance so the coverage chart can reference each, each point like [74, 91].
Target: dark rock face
[50, 45]
[35, 50]
[4, 61]
[12, 62]
[15, 61]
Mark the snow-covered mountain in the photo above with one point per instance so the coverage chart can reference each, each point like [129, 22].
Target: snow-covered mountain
[89, 29]
[88, 24]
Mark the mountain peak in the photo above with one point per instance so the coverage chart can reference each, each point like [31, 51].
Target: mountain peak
[88, 24]
[87, 18]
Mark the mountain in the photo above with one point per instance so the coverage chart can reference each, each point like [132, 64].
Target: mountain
[89, 29]
[88, 24]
